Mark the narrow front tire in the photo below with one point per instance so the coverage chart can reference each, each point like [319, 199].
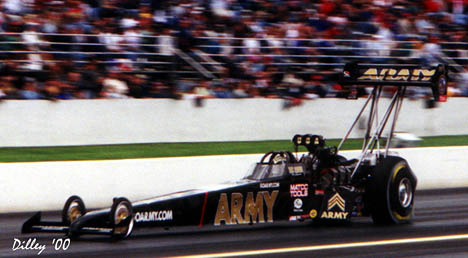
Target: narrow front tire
[121, 218]
[73, 209]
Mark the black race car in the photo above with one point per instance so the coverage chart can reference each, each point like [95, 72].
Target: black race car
[320, 185]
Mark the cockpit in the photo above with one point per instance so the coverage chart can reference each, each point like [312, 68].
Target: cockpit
[273, 165]
[277, 164]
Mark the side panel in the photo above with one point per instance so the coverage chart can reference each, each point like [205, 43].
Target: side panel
[263, 203]
[245, 205]
[177, 211]
[253, 203]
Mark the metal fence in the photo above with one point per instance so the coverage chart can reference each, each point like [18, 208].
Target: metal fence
[209, 56]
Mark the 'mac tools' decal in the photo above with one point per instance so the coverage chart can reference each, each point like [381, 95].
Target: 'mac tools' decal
[299, 190]
[387, 74]
[253, 208]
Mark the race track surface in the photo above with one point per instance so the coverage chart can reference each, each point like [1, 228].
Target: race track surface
[440, 229]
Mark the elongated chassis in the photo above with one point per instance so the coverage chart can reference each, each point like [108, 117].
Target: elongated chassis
[276, 190]
[320, 185]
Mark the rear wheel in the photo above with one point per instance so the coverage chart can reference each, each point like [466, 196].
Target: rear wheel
[121, 218]
[392, 191]
[73, 209]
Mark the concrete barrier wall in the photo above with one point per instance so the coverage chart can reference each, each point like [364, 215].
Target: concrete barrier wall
[46, 185]
[85, 122]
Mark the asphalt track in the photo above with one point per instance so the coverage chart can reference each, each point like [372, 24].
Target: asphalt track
[440, 229]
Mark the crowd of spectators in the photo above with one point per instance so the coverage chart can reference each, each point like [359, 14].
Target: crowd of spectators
[80, 49]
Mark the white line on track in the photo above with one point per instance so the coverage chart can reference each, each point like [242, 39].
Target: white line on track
[332, 246]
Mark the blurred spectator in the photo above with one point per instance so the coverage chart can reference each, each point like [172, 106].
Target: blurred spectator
[463, 83]
[8, 90]
[241, 89]
[111, 38]
[160, 90]
[221, 8]
[166, 42]
[113, 87]
[132, 39]
[185, 38]
[423, 24]
[314, 88]
[375, 48]
[430, 52]
[14, 6]
[52, 90]
[91, 75]
[137, 85]
[30, 36]
[406, 24]
[78, 43]
[221, 90]
[202, 90]
[251, 45]
[30, 90]
[75, 84]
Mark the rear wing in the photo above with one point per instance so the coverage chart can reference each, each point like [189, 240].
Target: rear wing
[435, 77]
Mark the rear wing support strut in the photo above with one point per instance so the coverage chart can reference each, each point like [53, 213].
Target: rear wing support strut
[371, 141]
[354, 123]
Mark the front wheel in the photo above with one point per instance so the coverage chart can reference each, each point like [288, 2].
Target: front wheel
[73, 209]
[121, 218]
[392, 191]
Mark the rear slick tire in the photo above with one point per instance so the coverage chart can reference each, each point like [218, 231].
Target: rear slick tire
[392, 191]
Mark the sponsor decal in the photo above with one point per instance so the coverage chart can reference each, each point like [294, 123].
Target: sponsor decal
[334, 215]
[388, 74]
[298, 203]
[269, 185]
[295, 218]
[338, 201]
[299, 190]
[298, 217]
[253, 208]
[296, 169]
[148, 216]
[313, 213]
[319, 192]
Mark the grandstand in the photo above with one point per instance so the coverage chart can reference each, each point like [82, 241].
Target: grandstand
[165, 49]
